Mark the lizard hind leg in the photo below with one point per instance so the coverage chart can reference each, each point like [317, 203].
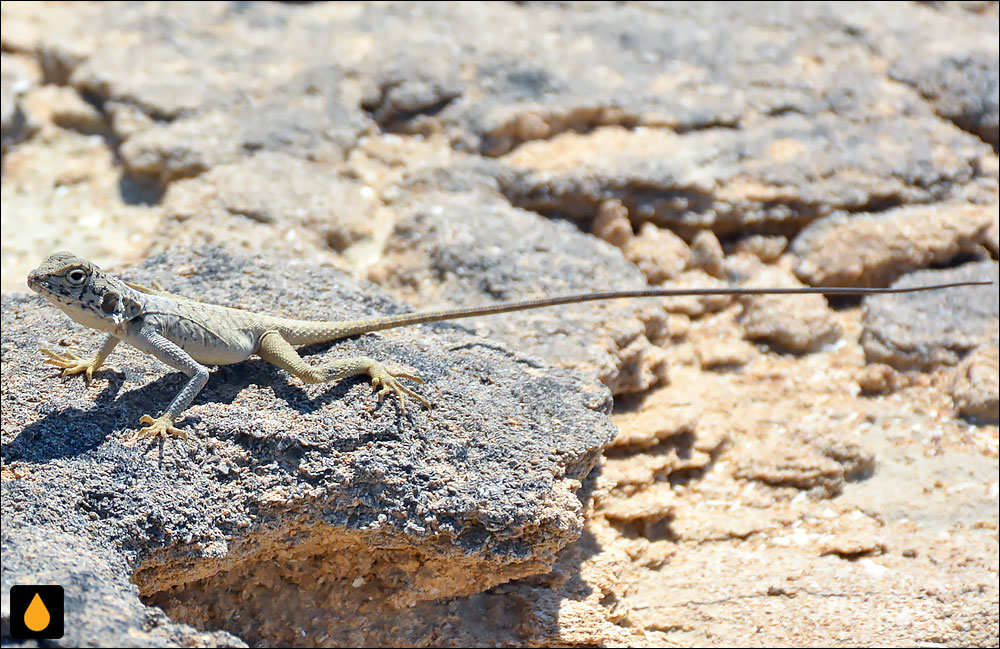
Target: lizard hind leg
[276, 350]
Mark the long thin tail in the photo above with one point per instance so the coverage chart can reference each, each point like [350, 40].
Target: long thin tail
[352, 328]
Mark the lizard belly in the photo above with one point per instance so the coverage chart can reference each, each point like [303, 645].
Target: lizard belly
[215, 355]
[208, 341]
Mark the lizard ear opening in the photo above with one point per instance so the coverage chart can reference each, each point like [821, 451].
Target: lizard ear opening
[110, 302]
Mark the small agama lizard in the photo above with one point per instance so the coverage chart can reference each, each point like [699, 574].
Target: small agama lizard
[188, 335]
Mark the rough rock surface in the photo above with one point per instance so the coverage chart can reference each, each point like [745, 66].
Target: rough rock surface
[428, 505]
[957, 75]
[691, 181]
[268, 202]
[102, 606]
[472, 248]
[976, 385]
[796, 324]
[873, 250]
[17, 75]
[925, 330]
[758, 498]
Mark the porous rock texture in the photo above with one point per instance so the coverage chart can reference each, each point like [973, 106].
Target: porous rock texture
[921, 330]
[815, 472]
[455, 249]
[846, 250]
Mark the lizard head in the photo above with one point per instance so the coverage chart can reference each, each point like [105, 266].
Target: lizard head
[83, 291]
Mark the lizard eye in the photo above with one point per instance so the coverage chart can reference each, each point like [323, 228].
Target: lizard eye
[76, 276]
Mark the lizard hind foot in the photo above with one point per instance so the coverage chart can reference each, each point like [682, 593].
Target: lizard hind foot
[386, 382]
[162, 427]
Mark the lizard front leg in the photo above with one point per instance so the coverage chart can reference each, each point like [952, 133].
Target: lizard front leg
[72, 364]
[276, 350]
[146, 339]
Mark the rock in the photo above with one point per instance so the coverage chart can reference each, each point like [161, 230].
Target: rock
[644, 509]
[794, 323]
[857, 536]
[993, 235]
[64, 107]
[873, 250]
[724, 354]
[877, 378]
[962, 87]
[528, 89]
[101, 605]
[272, 201]
[706, 254]
[975, 385]
[638, 67]
[696, 306]
[818, 465]
[457, 250]
[91, 211]
[660, 254]
[655, 425]
[630, 474]
[612, 224]
[792, 170]
[18, 75]
[351, 503]
[924, 330]
[743, 267]
[767, 249]
[191, 146]
[945, 55]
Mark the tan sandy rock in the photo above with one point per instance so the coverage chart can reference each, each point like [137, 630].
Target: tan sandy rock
[878, 378]
[660, 254]
[696, 306]
[800, 323]
[873, 250]
[89, 213]
[64, 107]
[766, 248]
[975, 386]
[706, 254]
[612, 223]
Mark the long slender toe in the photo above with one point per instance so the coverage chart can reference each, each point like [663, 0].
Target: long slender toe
[162, 426]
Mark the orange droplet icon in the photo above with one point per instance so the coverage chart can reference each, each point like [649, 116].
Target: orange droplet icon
[36, 617]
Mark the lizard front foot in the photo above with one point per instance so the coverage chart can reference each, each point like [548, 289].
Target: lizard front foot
[162, 426]
[386, 380]
[71, 364]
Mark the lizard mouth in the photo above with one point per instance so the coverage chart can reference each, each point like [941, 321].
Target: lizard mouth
[35, 283]
[39, 284]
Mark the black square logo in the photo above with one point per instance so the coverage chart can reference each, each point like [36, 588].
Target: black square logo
[36, 612]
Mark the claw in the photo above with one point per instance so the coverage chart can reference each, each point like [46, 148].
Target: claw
[71, 364]
[389, 384]
[162, 426]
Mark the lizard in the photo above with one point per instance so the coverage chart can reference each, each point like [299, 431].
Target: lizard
[189, 335]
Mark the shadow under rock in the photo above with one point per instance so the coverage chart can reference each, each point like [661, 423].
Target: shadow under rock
[542, 622]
